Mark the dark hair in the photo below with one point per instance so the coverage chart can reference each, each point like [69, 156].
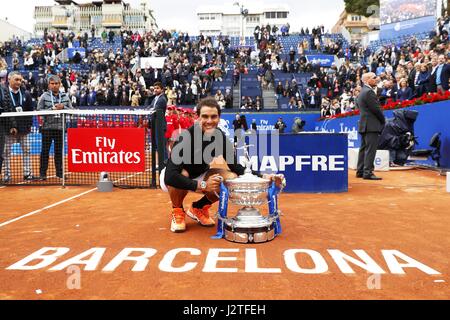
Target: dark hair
[158, 84]
[209, 102]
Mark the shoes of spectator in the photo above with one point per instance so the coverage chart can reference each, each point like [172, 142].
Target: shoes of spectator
[359, 175]
[372, 177]
[178, 223]
[201, 216]
[30, 177]
[60, 176]
[42, 177]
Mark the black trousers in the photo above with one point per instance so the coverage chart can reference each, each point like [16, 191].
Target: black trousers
[2, 147]
[160, 131]
[367, 153]
[49, 136]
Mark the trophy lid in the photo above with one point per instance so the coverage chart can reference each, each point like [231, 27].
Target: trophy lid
[248, 178]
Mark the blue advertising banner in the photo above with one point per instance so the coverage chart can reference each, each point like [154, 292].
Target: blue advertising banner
[321, 59]
[311, 162]
[409, 27]
[72, 51]
[266, 121]
[432, 118]
[406, 17]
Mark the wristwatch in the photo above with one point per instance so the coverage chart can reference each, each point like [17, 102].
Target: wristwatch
[203, 185]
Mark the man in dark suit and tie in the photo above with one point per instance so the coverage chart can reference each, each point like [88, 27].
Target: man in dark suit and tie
[370, 126]
[159, 104]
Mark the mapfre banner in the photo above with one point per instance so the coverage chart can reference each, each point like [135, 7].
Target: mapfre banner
[110, 150]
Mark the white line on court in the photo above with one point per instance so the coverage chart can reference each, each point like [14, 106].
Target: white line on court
[46, 208]
[61, 202]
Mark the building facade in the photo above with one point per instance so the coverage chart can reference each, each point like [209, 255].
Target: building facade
[103, 15]
[355, 26]
[236, 20]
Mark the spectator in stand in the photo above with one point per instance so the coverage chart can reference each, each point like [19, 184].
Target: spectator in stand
[268, 78]
[292, 103]
[228, 99]
[442, 74]
[423, 80]
[220, 99]
[171, 94]
[104, 36]
[279, 90]
[111, 36]
[3, 69]
[405, 92]
[135, 97]
[261, 72]
[387, 92]
[280, 125]
[325, 108]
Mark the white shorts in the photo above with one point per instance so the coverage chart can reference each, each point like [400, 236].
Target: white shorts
[163, 186]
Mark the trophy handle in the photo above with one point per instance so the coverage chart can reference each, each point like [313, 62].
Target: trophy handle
[223, 211]
[273, 206]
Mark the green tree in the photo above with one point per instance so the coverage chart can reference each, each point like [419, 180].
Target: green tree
[360, 6]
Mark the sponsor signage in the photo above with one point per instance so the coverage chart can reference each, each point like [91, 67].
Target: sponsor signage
[409, 27]
[311, 162]
[322, 60]
[111, 150]
[72, 51]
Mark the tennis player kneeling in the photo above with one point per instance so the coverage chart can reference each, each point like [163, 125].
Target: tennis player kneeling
[188, 168]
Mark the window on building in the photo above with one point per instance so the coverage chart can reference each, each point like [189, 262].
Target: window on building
[253, 19]
[271, 15]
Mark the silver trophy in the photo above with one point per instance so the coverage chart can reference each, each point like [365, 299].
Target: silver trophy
[249, 225]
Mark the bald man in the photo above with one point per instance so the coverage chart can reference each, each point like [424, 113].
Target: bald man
[370, 126]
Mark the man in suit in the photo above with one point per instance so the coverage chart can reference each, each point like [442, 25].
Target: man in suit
[432, 82]
[442, 74]
[370, 126]
[7, 125]
[155, 76]
[206, 85]
[20, 101]
[159, 104]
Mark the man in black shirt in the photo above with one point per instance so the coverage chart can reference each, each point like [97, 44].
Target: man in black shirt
[188, 168]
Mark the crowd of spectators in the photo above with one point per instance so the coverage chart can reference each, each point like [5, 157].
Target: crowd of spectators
[407, 69]
[114, 78]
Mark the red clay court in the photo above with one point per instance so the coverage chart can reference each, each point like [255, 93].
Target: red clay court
[329, 247]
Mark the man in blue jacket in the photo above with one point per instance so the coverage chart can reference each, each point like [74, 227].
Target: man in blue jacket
[442, 74]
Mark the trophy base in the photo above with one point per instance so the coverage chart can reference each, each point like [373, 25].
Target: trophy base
[249, 226]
